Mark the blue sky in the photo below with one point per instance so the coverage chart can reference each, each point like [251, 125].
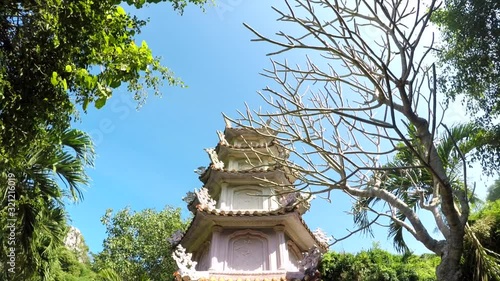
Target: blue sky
[146, 158]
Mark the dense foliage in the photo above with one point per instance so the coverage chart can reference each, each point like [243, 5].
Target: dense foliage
[470, 60]
[377, 265]
[471, 53]
[71, 263]
[137, 247]
[485, 224]
[494, 191]
[69, 266]
[479, 261]
[38, 181]
[56, 54]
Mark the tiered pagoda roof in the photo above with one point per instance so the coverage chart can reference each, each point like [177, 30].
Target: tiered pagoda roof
[248, 208]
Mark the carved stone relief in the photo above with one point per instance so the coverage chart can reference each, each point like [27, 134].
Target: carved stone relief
[217, 164]
[248, 251]
[248, 254]
[244, 199]
[205, 200]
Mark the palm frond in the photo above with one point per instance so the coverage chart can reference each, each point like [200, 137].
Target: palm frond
[81, 144]
[360, 214]
[396, 232]
[486, 262]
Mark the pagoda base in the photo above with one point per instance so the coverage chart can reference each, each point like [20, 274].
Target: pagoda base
[247, 275]
[279, 275]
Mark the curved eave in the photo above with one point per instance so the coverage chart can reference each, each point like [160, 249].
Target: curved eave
[214, 176]
[200, 228]
[240, 151]
[249, 133]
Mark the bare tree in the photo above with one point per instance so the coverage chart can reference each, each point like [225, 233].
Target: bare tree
[348, 109]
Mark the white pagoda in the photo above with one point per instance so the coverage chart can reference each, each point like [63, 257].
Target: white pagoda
[247, 221]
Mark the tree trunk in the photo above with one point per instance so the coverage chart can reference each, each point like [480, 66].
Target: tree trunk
[449, 268]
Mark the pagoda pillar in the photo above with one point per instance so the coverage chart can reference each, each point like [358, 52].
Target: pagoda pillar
[215, 249]
[282, 250]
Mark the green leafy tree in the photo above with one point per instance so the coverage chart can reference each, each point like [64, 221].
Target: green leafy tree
[56, 54]
[470, 60]
[494, 191]
[39, 180]
[377, 265]
[480, 262]
[485, 243]
[69, 262]
[70, 268]
[470, 30]
[454, 147]
[137, 247]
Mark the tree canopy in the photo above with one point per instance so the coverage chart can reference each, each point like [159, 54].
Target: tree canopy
[470, 52]
[377, 265]
[469, 56]
[40, 179]
[494, 191]
[56, 55]
[137, 246]
[458, 141]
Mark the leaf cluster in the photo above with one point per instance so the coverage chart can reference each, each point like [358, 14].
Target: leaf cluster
[57, 54]
[377, 265]
[482, 261]
[470, 61]
[471, 53]
[137, 247]
[41, 178]
[407, 178]
[494, 191]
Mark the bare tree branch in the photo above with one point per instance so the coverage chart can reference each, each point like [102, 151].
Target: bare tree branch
[363, 96]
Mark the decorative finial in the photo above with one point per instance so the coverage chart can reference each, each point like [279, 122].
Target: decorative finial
[227, 121]
[200, 170]
[309, 264]
[205, 200]
[292, 199]
[175, 238]
[217, 164]
[187, 267]
[222, 138]
[189, 198]
[288, 199]
[321, 236]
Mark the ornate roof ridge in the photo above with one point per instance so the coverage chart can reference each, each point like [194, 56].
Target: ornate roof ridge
[204, 177]
[213, 278]
[261, 213]
[244, 212]
[270, 144]
[264, 168]
[236, 213]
